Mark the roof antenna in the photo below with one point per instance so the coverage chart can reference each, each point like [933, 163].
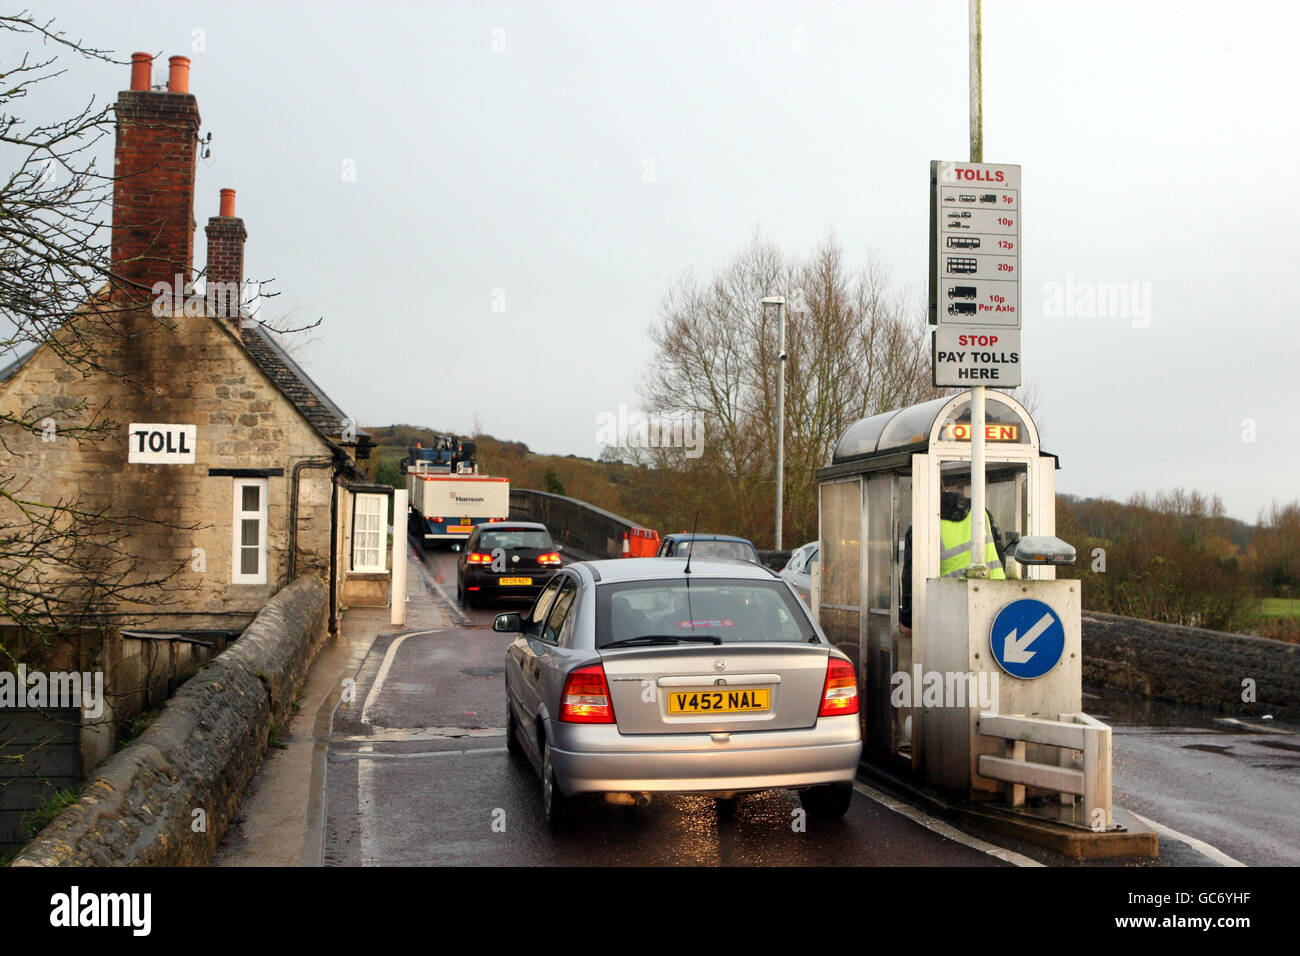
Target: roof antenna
[690, 550]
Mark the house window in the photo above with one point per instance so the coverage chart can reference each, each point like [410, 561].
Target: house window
[369, 533]
[249, 548]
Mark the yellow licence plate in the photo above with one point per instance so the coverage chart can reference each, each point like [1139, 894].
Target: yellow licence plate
[504, 581]
[461, 529]
[730, 700]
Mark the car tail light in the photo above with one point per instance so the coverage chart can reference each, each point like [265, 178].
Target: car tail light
[585, 698]
[551, 558]
[840, 692]
[478, 557]
[436, 520]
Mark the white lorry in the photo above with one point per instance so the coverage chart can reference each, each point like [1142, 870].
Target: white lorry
[448, 496]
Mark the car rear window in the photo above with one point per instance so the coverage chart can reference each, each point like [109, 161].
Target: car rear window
[735, 611]
[510, 540]
[735, 550]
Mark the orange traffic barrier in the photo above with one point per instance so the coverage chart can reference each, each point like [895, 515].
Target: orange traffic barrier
[640, 543]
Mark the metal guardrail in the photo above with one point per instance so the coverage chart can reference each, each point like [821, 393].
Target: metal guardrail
[1087, 776]
[583, 529]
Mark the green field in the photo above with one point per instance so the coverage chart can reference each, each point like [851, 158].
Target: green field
[1281, 607]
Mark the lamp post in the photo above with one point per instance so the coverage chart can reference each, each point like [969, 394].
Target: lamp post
[779, 302]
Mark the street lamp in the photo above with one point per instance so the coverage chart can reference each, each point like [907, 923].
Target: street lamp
[778, 302]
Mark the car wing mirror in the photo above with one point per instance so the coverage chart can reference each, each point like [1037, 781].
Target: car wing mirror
[510, 622]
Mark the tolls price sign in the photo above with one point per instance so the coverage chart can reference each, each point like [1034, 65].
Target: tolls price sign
[974, 245]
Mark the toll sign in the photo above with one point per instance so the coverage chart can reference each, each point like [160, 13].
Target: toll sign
[974, 244]
[160, 444]
[966, 357]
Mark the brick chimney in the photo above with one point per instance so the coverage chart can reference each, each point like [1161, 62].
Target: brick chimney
[225, 272]
[153, 195]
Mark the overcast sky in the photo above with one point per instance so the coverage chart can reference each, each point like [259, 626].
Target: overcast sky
[500, 153]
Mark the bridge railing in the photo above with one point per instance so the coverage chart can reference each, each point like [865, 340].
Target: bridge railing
[585, 531]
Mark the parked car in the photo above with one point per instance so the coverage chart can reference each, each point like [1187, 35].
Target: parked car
[708, 546]
[798, 570]
[506, 559]
[631, 678]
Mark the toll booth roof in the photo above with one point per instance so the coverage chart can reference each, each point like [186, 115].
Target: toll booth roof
[881, 440]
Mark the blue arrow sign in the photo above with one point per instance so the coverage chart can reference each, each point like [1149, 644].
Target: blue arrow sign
[1027, 639]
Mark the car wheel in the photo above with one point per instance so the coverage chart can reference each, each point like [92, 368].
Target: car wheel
[827, 803]
[513, 746]
[557, 807]
[466, 601]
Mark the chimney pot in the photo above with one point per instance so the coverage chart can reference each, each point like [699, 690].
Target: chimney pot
[178, 75]
[227, 202]
[141, 70]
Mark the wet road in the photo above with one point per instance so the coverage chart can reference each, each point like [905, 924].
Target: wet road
[418, 774]
[1234, 784]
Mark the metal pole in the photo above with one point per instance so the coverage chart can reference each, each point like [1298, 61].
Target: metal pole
[977, 525]
[780, 420]
[976, 86]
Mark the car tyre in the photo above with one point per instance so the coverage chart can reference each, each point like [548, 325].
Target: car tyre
[828, 802]
[557, 808]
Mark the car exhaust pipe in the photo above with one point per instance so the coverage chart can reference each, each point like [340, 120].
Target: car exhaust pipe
[628, 799]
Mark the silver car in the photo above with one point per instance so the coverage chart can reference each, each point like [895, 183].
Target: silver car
[798, 570]
[644, 676]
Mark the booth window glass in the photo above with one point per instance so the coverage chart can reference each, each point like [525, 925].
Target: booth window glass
[841, 544]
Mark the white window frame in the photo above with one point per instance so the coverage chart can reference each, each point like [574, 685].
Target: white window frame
[238, 516]
[382, 565]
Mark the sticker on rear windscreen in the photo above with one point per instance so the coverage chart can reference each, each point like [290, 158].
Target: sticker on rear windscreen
[717, 622]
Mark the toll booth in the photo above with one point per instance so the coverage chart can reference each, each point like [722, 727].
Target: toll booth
[884, 480]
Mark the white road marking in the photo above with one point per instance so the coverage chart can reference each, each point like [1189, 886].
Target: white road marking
[941, 828]
[384, 667]
[1258, 728]
[1200, 846]
[371, 755]
[366, 809]
[390, 734]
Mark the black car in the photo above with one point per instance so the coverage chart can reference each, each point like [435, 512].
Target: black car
[506, 559]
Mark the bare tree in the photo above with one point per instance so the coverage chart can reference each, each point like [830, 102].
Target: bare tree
[857, 345]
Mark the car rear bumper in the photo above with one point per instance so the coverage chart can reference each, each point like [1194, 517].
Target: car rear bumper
[490, 585]
[597, 759]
